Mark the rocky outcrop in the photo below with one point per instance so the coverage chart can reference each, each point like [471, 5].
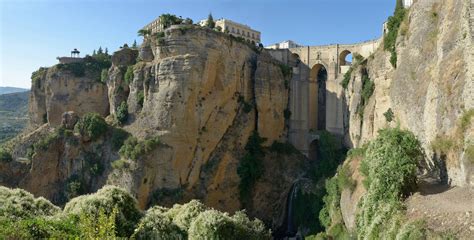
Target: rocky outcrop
[430, 90]
[57, 90]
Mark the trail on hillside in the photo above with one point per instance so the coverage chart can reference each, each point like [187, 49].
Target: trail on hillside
[444, 208]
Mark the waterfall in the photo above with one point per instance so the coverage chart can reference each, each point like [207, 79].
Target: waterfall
[291, 228]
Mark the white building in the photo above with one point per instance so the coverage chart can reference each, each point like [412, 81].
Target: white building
[284, 45]
[407, 3]
[236, 29]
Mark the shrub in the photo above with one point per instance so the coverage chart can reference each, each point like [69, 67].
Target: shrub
[121, 113]
[367, 90]
[74, 187]
[140, 98]
[120, 164]
[184, 215]
[250, 167]
[347, 78]
[283, 148]
[106, 198]
[5, 156]
[39, 228]
[443, 144]
[470, 152]
[134, 149]
[286, 70]
[388, 115]
[344, 178]
[213, 224]
[104, 75]
[118, 138]
[247, 107]
[92, 126]
[98, 226]
[157, 225]
[16, 204]
[466, 120]
[393, 25]
[128, 77]
[391, 163]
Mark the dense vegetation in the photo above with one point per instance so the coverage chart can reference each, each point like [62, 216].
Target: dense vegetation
[368, 88]
[389, 166]
[393, 25]
[91, 126]
[250, 167]
[112, 213]
[134, 149]
[91, 65]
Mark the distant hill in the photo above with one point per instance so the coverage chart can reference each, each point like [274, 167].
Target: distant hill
[7, 90]
[13, 114]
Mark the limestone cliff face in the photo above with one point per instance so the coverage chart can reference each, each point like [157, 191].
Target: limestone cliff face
[203, 93]
[194, 94]
[56, 90]
[429, 91]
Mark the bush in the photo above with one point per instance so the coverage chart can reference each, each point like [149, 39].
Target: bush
[104, 75]
[39, 228]
[157, 225]
[347, 78]
[140, 98]
[16, 204]
[98, 226]
[134, 149]
[128, 77]
[283, 148]
[391, 163]
[107, 198]
[5, 156]
[92, 126]
[213, 224]
[121, 113]
[388, 115]
[393, 25]
[368, 87]
[118, 138]
[250, 167]
[286, 70]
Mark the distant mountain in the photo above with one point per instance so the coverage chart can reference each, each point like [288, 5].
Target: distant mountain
[13, 113]
[6, 90]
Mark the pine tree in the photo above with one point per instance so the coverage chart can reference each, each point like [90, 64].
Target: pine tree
[93, 53]
[106, 51]
[210, 21]
[134, 45]
[100, 51]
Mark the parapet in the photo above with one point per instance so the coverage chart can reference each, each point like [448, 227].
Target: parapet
[65, 60]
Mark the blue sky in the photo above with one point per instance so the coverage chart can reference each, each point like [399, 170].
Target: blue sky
[34, 32]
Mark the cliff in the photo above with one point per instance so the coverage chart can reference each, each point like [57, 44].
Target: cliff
[200, 92]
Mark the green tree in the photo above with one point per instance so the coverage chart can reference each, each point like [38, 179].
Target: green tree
[210, 21]
[134, 45]
[100, 51]
[144, 32]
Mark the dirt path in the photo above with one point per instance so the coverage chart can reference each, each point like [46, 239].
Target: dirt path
[444, 209]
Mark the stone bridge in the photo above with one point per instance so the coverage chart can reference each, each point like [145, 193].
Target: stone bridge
[316, 96]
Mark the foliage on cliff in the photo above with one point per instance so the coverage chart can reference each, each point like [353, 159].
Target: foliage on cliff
[111, 213]
[393, 25]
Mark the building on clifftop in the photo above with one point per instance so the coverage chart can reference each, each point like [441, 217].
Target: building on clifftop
[236, 29]
[284, 45]
[407, 3]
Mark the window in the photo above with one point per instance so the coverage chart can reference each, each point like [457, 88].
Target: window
[233, 30]
[238, 31]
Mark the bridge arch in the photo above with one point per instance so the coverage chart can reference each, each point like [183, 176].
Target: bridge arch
[317, 88]
[343, 61]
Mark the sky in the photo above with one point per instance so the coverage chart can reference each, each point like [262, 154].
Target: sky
[34, 32]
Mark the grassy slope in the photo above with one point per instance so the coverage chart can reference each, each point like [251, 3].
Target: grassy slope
[13, 114]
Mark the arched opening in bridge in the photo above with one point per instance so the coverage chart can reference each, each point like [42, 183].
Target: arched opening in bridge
[319, 76]
[294, 59]
[345, 58]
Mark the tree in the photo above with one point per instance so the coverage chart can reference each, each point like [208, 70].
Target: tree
[144, 32]
[134, 45]
[166, 20]
[106, 51]
[100, 51]
[93, 53]
[210, 21]
[188, 21]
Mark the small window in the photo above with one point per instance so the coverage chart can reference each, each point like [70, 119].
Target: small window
[238, 31]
